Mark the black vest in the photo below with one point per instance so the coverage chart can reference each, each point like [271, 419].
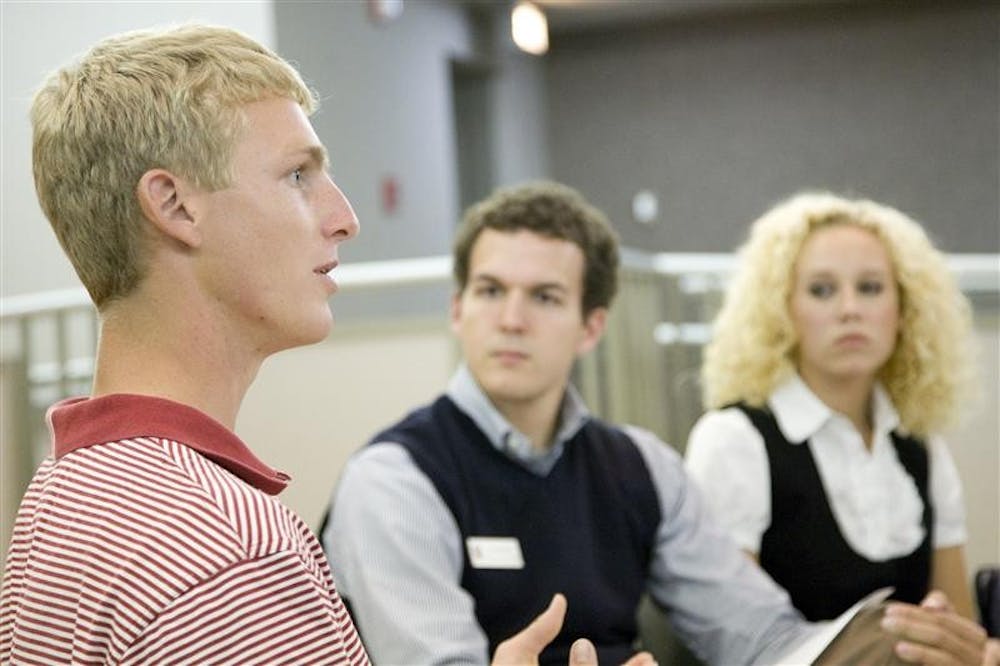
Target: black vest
[587, 529]
[804, 550]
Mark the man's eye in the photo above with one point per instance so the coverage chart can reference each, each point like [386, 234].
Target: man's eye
[298, 176]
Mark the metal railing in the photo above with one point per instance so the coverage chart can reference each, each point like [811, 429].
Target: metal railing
[49, 339]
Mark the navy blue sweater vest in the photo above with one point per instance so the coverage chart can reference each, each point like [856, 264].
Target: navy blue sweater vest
[587, 529]
[804, 549]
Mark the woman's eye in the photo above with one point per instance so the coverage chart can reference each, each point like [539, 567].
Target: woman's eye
[870, 287]
[821, 289]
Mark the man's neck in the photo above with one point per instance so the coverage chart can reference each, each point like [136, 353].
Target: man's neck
[177, 359]
[537, 418]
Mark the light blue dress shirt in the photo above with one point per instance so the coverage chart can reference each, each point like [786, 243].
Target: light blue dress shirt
[397, 554]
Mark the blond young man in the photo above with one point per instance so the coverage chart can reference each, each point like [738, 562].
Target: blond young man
[183, 179]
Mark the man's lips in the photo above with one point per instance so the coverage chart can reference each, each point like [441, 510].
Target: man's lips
[325, 268]
[326, 272]
[509, 355]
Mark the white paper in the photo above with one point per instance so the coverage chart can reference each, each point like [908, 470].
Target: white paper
[811, 649]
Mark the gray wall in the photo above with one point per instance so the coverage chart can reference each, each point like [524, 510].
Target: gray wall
[723, 115]
[388, 110]
[385, 112]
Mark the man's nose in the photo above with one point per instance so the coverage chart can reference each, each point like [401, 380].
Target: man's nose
[512, 314]
[340, 222]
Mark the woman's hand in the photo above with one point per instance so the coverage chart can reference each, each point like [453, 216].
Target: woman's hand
[935, 635]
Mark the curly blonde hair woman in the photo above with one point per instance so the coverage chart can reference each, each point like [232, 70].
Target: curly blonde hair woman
[754, 342]
[843, 330]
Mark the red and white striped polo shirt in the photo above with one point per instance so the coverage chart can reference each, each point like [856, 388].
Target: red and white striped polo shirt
[152, 535]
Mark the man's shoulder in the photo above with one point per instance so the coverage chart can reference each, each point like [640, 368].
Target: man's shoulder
[632, 436]
[148, 524]
[422, 422]
[603, 428]
[166, 491]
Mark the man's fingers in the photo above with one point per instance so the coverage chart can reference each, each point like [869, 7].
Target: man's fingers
[546, 626]
[641, 659]
[525, 646]
[582, 653]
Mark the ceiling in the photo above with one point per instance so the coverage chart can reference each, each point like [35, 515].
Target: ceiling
[568, 16]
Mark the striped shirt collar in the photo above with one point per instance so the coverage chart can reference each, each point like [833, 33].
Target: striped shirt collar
[465, 392]
[76, 423]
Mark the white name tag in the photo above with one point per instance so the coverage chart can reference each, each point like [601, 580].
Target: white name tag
[494, 552]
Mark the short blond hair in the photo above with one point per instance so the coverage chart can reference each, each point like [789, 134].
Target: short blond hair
[148, 99]
[753, 344]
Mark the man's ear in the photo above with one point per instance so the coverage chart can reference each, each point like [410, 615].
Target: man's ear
[163, 200]
[456, 310]
[594, 324]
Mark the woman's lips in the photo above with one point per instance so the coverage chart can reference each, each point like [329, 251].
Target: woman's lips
[852, 340]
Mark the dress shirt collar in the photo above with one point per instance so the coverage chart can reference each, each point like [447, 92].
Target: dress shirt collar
[76, 423]
[801, 414]
[464, 391]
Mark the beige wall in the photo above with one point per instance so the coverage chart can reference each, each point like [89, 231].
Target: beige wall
[975, 444]
[15, 463]
[311, 407]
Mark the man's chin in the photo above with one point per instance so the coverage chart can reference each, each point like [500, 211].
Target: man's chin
[505, 389]
[307, 333]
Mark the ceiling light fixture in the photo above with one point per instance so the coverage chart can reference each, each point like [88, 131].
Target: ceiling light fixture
[529, 28]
